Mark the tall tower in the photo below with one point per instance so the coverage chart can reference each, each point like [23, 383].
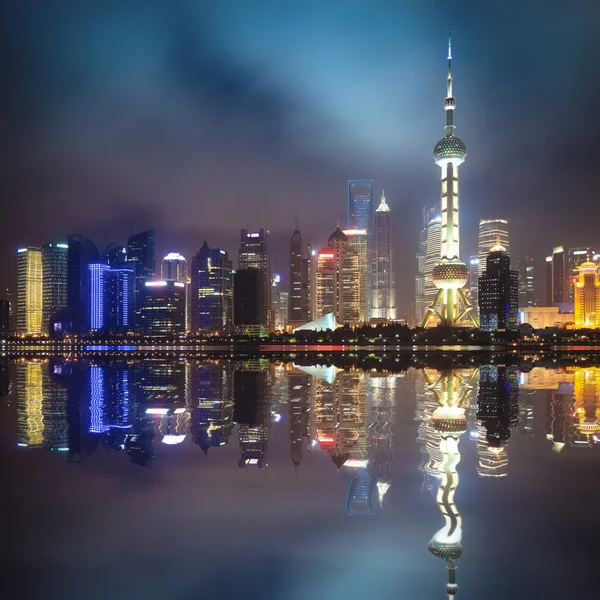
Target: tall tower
[587, 295]
[299, 286]
[384, 292]
[450, 274]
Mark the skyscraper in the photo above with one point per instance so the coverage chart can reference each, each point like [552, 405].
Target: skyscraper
[254, 254]
[358, 243]
[527, 295]
[162, 311]
[361, 208]
[278, 304]
[29, 291]
[474, 281]
[338, 280]
[98, 273]
[498, 292]
[119, 292]
[450, 274]
[434, 247]
[81, 253]
[587, 295]
[174, 267]
[384, 290]
[557, 277]
[249, 306]
[141, 257]
[299, 285]
[491, 233]
[54, 280]
[421, 302]
[211, 304]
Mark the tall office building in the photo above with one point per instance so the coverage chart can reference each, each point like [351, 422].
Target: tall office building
[254, 254]
[557, 277]
[527, 295]
[434, 246]
[211, 295]
[299, 285]
[141, 257]
[358, 243]
[498, 293]
[4, 317]
[174, 267]
[474, 281]
[587, 295]
[278, 304]
[421, 302]
[361, 208]
[250, 314]
[162, 311]
[114, 255]
[384, 289]
[338, 288]
[54, 280]
[492, 232]
[29, 291]
[311, 277]
[112, 296]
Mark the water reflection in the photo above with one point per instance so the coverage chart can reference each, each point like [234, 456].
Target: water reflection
[129, 408]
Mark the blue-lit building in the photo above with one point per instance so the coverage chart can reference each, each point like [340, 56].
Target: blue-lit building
[141, 258]
[162, 309]
[112, 297]
[361, 207]
[211, 304]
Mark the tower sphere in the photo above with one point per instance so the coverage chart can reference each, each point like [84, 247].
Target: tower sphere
[450, 274]
[450, 149]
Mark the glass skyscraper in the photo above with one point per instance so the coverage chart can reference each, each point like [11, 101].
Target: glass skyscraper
[211, 304]
[141, 257]
[361, 208]
[54, 280]
[162, 311]
[491, 233]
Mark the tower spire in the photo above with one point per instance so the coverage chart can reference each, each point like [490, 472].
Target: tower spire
[449, 103]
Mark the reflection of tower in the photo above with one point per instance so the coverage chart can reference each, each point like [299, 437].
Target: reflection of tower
[450, 423]
[498, 412]
[382, 390]
[211, 403]
[450, 274]
[300, 386]
[252, 410]
[139, 443]
[587, 406]
[360, 490]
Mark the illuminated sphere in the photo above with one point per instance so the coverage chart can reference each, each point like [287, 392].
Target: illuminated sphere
[450, 275]
[450, 420]
[451, 589]
[450, 149]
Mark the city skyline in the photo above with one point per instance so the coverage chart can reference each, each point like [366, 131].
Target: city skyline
[105, 201]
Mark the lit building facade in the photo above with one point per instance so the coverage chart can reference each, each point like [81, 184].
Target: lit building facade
[141, 257]
[54, 280]
[384, 289]
[254, 254]
[586, 291]
[527, 295]
[358, 243]
[557, 277]
[30, 298]
[162, 311]
[299, 284]
[211, 294]
[474, 281]
[338, 280]
[279, 304]
[361, 208]
[434, 247]
[174, 267]
[112, 298]
[421, 303]
[575, 257]
[450, 274]
[492, 232]
[498, 293]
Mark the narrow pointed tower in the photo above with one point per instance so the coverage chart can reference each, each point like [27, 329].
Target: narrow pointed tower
[450, 274]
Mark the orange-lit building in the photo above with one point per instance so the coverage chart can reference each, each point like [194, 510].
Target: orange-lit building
[586, 291]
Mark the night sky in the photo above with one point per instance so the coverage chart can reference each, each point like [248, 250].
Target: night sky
[200, 117]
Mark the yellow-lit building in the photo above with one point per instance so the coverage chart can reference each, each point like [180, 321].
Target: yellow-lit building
[30, 396]
[586, 293]
[357, 242]
[587, 402]
[29, 291]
